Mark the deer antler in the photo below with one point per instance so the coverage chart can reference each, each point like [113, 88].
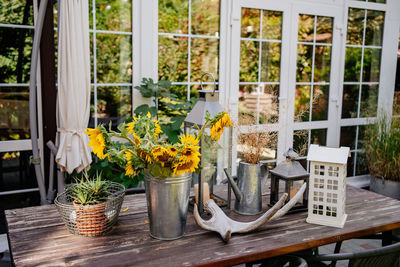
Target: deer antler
[225, 226]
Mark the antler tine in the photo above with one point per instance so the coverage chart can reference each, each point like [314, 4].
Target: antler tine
[290, 204]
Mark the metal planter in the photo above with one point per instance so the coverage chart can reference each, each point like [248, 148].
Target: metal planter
[167, 205]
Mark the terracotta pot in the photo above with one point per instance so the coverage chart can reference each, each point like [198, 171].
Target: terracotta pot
[90, 219]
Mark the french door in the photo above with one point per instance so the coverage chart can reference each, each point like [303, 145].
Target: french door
[286, 57]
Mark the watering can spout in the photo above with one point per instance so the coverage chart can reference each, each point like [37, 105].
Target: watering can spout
[236, 190]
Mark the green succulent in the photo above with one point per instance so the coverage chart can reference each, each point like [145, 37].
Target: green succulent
[90, 190]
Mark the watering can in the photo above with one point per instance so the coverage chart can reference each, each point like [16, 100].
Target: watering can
[248, 190]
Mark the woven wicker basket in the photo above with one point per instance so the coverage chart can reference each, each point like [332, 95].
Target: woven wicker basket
[91, 220]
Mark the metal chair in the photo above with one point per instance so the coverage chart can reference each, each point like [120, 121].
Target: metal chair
[285, 260]
[387, 256]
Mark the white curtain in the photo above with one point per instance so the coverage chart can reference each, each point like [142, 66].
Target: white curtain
[73, 85]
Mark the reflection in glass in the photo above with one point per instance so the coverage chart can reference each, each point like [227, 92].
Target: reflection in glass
[172, 58]
[114, 58]
[306, 28]
[352, 64]
[304, 63]
[322, 66]
[272, 25]
[361, 136]
[16, 171]
[15, 55]
[114, 15]
[205, 17]
[302, 103]
[269, 109]
[355, 26]
[204, 58]
[350, 164]
[14, 113]
[374, 30]
[318, 137]
[372, 64]
[350, 101]
[369, 100]
[249, 61]
[250, 23]
[270, 62]
[320, 102]
[300, 142]
[16, 12]
[173, 16]
[113, 104]
[248, 98]
[348, 136]
[324, 30]
[361, 164]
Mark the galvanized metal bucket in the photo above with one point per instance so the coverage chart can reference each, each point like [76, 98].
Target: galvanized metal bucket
[167, 205]
[251, 180]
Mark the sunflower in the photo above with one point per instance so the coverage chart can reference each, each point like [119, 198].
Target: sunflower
[190, 153]
[172, 151]
[129, 171]
[157, 129]
[188, 139]
[97, 142]
[185, 167]
[160, 154]
[144, 155]
[218, 126]
[137, 139]
[131, 127]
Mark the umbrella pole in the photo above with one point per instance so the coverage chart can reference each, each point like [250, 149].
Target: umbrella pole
[32, 101]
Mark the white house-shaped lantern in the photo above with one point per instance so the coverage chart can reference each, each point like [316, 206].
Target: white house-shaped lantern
[327, 185]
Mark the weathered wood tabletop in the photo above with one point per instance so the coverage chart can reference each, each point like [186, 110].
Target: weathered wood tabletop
[37, 236]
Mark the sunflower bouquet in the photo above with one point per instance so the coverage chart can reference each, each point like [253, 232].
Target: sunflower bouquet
[140, 144]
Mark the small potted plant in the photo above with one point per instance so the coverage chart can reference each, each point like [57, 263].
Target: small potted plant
[91, 206]
[382, 149]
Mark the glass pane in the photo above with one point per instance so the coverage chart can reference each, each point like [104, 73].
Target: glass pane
[272, 25]
[16, 171]
[172, 58]
[396, 103]
[377, 1]
[352, 64]
[302, 103]
[369, 100]
[361, 164]
[320, 102]
[250, 23]
[324, 30]
[372, 64]
[114, 15]
[304, 63]
[306, 28]
[113, 104]
[14, 113]
[270, 62]
[205, 17]
[396, 96]
[361, 136]
[15, 55]
[16, 12]
[204, 58]
[374, 30]
[348, 136]
[300, 142]
[269, 109]
[114, 58]
[91, 58]
[180, 91]
[350, 165]
[249, 61]
[173, 16]
[355, 26]
[248, 98]
[318, 137]
[322, 67]
[350, 101]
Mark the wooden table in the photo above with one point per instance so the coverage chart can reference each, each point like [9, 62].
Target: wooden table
[37, 236]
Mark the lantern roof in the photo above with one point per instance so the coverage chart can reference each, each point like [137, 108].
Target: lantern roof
[290, 168]
[328, 154]
[208, 101]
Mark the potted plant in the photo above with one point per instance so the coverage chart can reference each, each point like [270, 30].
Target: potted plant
[139, 146]
[382, 148]
[91, 206]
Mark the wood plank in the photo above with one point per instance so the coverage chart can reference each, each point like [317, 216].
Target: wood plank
[38, 236]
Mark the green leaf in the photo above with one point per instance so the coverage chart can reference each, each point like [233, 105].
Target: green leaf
[153, 111]
[164, 84]
[142, 110]
[178, 120]
[172, 135]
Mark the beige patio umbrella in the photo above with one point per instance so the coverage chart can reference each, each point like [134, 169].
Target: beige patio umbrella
[73, 86]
